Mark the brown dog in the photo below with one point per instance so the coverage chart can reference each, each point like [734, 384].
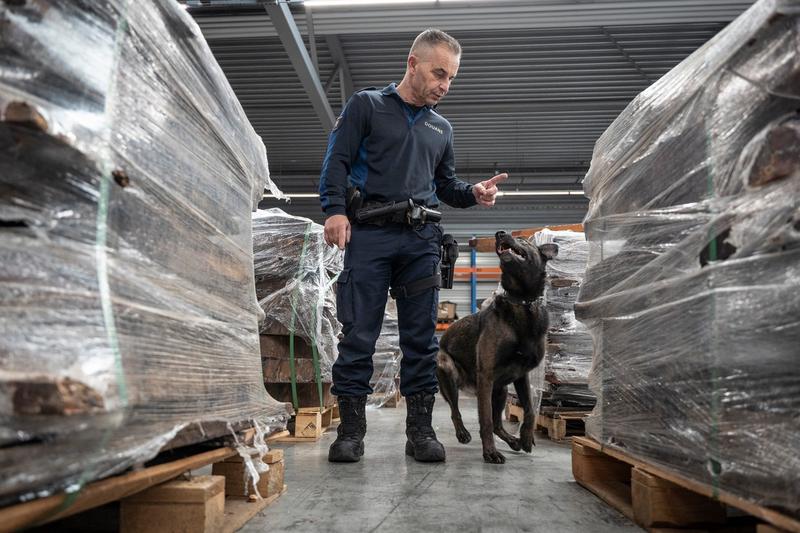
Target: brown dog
[487, 351]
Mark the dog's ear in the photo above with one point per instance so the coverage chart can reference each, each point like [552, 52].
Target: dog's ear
[549, 250]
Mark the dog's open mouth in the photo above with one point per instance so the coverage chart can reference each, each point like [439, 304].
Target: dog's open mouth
[505, 248]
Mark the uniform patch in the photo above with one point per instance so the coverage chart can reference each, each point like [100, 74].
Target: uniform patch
[338, 121]
[435, 128]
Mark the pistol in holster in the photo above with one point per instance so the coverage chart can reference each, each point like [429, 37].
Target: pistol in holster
[353, 202]
[447, 263]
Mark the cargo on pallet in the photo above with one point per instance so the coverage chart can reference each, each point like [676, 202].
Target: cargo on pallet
[693, 287]
[129, 321]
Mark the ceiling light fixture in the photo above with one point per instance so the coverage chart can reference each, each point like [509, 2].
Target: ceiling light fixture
[295, 195]
[539, 193]
[500, 193]
[337, 3]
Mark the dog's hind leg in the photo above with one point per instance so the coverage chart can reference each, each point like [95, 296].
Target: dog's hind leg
[499, 396]
[448, 386]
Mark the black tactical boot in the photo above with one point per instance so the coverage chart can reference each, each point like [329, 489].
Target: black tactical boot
[349, 444]
[422, 444]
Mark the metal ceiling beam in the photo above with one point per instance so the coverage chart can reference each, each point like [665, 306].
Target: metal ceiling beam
[485, 16]
[312, 39]
[337, 54]
[287, 30]
[627, 56]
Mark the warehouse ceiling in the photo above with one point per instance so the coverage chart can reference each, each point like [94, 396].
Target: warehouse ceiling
[539, 81]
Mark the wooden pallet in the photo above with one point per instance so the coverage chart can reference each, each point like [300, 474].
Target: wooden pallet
[514, 412]
[396, 400]
[562, 426]
[655, 497]
[311, 422]
[559, 426]
[130, 487]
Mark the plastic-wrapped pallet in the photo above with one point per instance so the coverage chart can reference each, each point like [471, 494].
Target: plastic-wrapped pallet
[569, 344]
[692, 293]
[386, 360]
[295, 274]
[128, 172]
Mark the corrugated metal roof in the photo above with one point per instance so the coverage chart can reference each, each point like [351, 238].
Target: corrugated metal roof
[539, 82]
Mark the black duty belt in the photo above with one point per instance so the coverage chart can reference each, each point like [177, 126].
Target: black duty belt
[406, 212]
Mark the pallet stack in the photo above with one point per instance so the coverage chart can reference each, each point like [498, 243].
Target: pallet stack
[385, 381]
[693, 287]
[296, 275]
[295, 284]
[129, 322]
[561, 381]
[568, 356]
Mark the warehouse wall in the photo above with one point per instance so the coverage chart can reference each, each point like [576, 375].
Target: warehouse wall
[460, 293]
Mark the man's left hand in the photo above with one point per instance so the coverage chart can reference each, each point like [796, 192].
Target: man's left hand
[486, 190]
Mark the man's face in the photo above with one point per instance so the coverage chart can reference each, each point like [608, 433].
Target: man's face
[432, 71]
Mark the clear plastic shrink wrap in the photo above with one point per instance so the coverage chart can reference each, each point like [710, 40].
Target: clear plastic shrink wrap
[569, 344]
[128, 172]
[295, 275]
[386, 360]
[692, 293]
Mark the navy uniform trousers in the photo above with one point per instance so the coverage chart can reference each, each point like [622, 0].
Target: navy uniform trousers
[376, 258]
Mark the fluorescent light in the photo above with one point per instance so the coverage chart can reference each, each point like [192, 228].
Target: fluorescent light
[539, 193]
[336, 3]
[499, 193]
[295, 195]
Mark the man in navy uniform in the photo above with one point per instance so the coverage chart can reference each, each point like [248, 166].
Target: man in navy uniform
[391, 146]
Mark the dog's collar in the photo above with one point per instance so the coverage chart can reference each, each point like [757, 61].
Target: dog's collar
[519, 301]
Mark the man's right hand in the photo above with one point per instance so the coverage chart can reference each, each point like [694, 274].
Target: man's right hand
[337, 231]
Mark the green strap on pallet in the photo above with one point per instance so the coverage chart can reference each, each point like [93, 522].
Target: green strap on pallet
[314, 352]
[104, 292]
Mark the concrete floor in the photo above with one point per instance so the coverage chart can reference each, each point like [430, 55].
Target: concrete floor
[388, 491]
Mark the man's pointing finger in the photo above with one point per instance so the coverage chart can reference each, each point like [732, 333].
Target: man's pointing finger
[496, 179]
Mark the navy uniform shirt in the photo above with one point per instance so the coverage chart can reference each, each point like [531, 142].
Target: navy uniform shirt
[391, 152]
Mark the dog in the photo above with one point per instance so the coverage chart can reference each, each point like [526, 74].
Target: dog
[499, 345]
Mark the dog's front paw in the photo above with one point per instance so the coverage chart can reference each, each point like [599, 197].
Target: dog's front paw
[463, 435]
[493, 456]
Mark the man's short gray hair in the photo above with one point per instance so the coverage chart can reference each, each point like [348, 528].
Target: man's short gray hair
[433, 37]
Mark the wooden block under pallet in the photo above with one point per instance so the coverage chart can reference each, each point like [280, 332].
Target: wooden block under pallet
[395, 400]
[646, 499]
[234, 470]
[196, 504]
[514, 413]
[311, 422]
[655, 497]
[658, 503]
